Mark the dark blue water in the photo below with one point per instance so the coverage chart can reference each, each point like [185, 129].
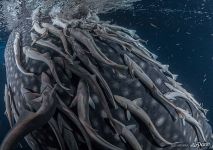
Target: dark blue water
[180, 33]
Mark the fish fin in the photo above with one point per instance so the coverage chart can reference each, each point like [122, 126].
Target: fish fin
[31, 96]
[131, 71]
[27, 59]
[154, 56]
[45, 81]
[165, 67]
[132, 32]
[123, 139]
[116, 136]
[37, 100]
[24, 90]
[91, 103]
[128, 115]
[174, 76]
[137, 101]
[74, 102]
[46, 55]
[184, 122]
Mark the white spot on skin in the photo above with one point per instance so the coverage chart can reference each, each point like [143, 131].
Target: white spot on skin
[121, 115]
[159, 81]
[115, 85]
[111, 51]
[14, 89]
[95, 99]
[95, 122]
[153, 102]
[175, 136]
[19, 105]
[138, 84]
[34, 88]
[142, 64]
[103, 114]
[32, 69]
[16, 75]
[125, 92]
[190, 139]
[184, 132]
[160, 121]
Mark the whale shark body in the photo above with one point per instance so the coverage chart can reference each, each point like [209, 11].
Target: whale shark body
[107, 65]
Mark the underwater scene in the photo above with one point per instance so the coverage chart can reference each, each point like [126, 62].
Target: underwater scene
[106, 74]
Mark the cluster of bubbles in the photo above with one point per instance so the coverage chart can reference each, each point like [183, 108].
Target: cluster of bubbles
[12, 10]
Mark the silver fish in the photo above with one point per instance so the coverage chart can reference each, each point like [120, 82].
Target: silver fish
[82, 99]
[142, 115]
[49, 44]
[41, 57]
[7, 101]
[35, 22]
[127, 135]
[93, 48]
[57, 33]
[29, 121]
[17, 54]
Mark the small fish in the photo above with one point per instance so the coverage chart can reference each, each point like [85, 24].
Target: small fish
[8, 111]
[95, 51]
[67, 112]
[53, 125]
[154, 26]
[141, 75]
[57, 33]
[35, 21]
[86, 61]
[41, 57]
[191, 120]
[127, 135]
[17, 54]
[82, 99]
[49, 44]
[142, 115]
[29, 121]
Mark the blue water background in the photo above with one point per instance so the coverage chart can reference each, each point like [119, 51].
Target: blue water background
[179, 32]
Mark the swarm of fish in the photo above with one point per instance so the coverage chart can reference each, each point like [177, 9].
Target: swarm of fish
[80, 56]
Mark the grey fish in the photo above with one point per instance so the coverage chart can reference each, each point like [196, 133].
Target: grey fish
[57, 33]
[52, 123]
[41, 57]
[35, 22]
[82, 100]
[136, 70]
[128, 135]
[186, 116]
[142, 115]
[92, 47]
[83, 57]
[17, 54]
[49, 44]
[7, 101]
[29, 121]
[66, 111]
